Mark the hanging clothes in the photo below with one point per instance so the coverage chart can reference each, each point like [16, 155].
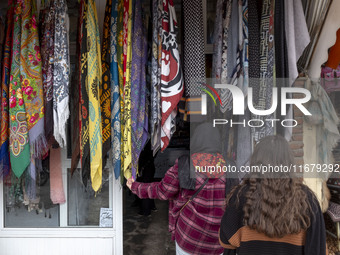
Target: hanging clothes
[127, 157]
[93, 84]
[84, 99]
[5, 80]
[115, 91]
[105, 89]
[61, 72]
[155, 126]
[75, 95]
[218, 33]
[172, 86]
[47, 21]
[193, 57]
[139, 115]
[267, 56]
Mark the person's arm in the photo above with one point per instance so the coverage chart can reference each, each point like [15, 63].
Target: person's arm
[316, 233]
[166, 189]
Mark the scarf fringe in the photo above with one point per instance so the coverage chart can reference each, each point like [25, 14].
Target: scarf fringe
[39, 147]
[60, 131]
[4, 168]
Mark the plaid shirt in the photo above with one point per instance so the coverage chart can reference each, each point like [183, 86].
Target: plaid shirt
[195, 229]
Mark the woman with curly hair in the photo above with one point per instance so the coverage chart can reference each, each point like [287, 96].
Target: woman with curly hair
[274, 213]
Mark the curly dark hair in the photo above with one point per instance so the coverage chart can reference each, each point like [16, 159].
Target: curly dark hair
[274, 205]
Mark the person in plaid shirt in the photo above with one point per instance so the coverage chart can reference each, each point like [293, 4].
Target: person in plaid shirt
[194, 225]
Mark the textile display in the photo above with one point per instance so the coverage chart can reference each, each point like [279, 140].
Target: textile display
[218, 33]
[115, 91]
[155, 126]
[267, 56]
[172, 86]
[75, 95]
[193, 57]
[105, 89]
[26, 100]
[84, 99]
[5, 79]
[61, 72]
[93, 84]
[47, 31]
[56, 178]
[126, 120]
[139, 116]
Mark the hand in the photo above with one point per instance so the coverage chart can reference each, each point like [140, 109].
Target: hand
[129, 182]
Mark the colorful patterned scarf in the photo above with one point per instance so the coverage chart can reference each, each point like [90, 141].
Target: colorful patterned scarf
[126, 122]
[4, 122]
[115, 92]
[84, 99]
[156, 117]
[172, 86]
[47, 53]
[93, 82]
[61, 72]
[120, 59]
[139, 115]
[105, 89]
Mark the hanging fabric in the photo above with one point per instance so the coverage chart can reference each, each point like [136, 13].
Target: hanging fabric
[193, 58]
[6, 68]
[75, 95]
[61, 73]
[120, 60]
[115, 91]
[84, 99]
[126, 122]
[155, 127]
[105, 89]
[56, 178]
[172, 86]
[267, 56]
[229, 22]
[218, 33]
[139, 115]
[93, 84]
[47, 21]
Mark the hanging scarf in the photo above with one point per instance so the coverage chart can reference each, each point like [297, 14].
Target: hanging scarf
[76, 116]
[47, 55]
[120, 60]
[127, 101]
[126, 18]
[226, 17]
[4, 122]
[139, 117]
[218, 34]
[93, 82]
[84, 99]
[194, 58]
[155, 80]
[115, 92]
[61, 73]
[172, 86]
[266, 67]
[19, 145]
[105, 89]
